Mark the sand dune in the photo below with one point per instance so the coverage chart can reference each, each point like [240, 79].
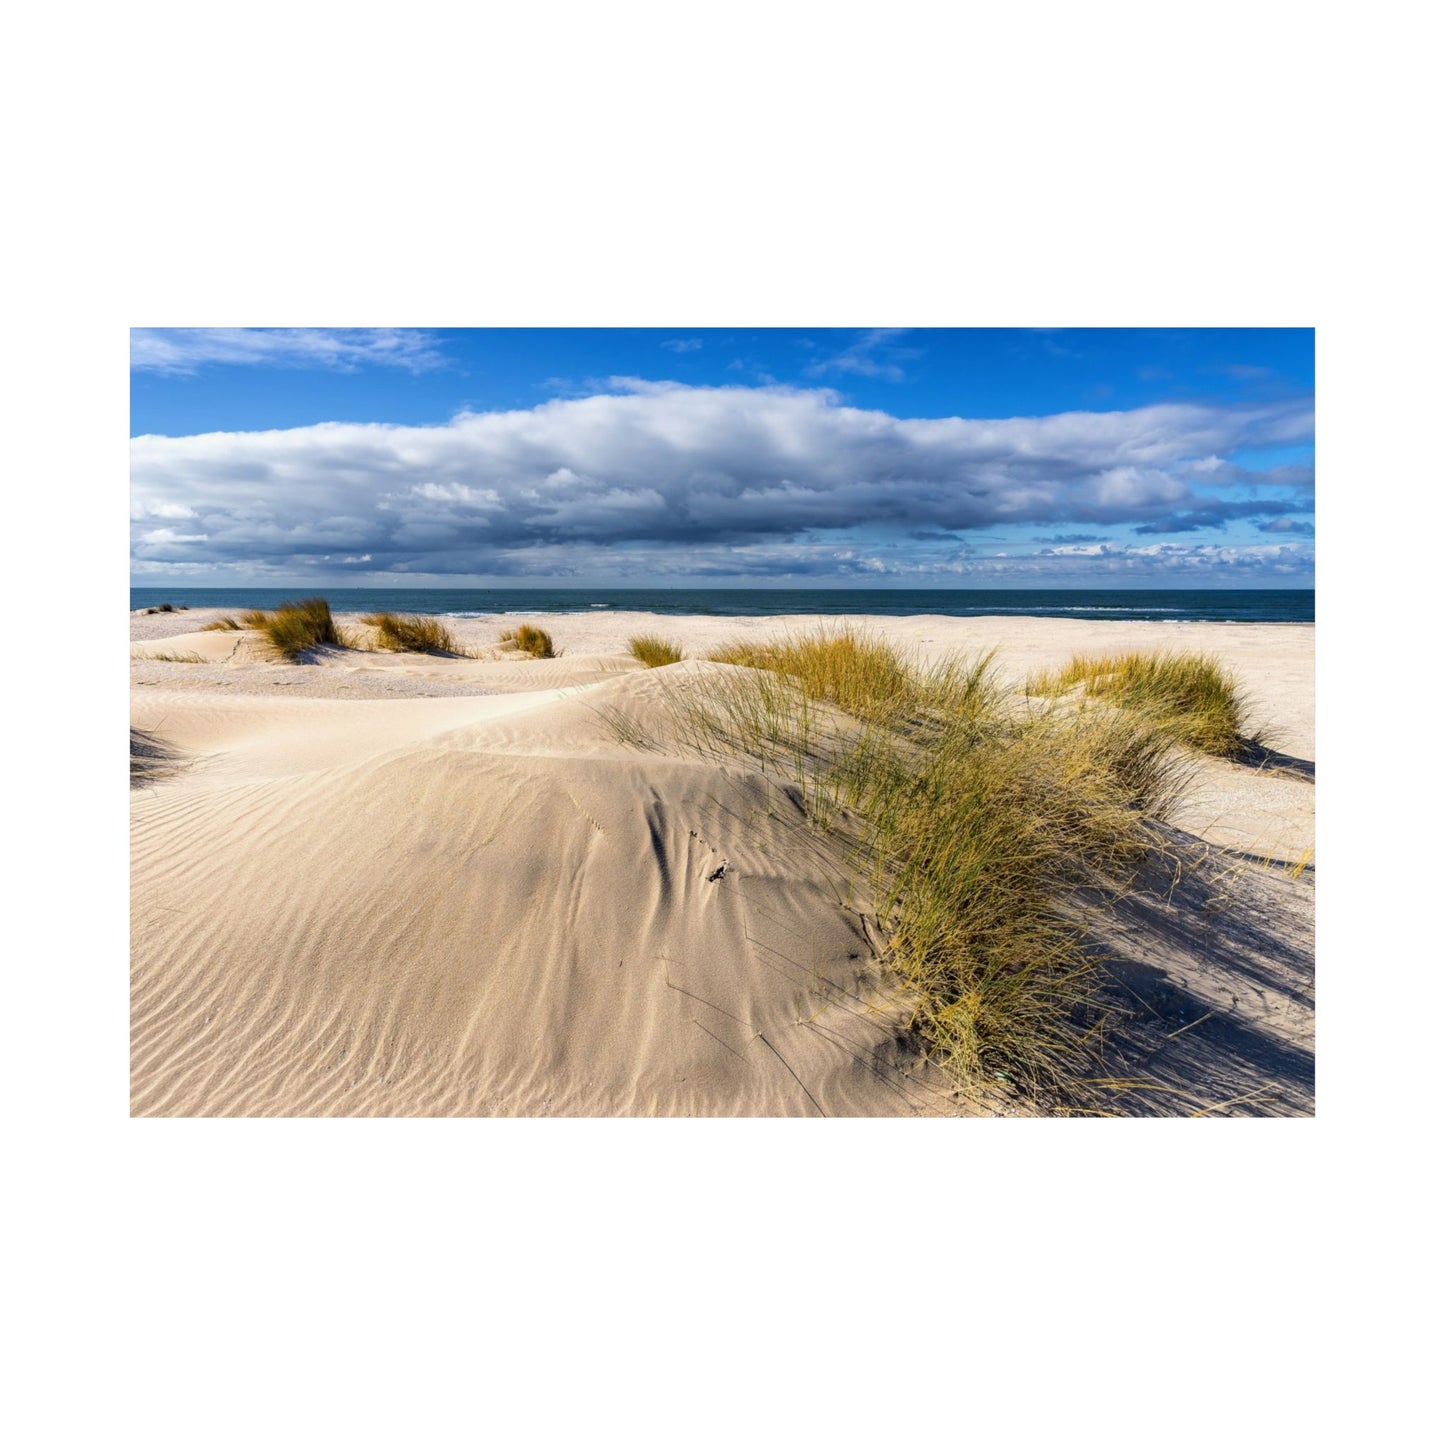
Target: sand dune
[484, 903]
[388, 914]
[234, 648]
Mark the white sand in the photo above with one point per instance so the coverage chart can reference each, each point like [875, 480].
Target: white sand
[394, 885]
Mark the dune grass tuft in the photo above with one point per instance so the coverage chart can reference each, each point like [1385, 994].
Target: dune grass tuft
[860, 673]
[982, 824]
[175, 657]
[294, 628]
[222, 624]
[867, 677]
[412, 633]
[654, 651]
[975, 854]
[1188, 694]
[535, 641]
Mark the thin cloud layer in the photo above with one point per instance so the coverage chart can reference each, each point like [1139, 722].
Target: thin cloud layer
[875, 353]
[179, 352]
[693, 479]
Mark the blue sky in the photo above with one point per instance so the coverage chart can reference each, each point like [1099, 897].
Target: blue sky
[970, 458]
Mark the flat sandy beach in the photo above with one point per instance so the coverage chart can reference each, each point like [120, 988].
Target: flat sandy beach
[389, 884]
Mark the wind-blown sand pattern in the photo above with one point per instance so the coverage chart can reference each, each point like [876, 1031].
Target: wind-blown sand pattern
[383, 884]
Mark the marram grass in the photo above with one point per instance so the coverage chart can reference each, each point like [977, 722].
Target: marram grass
[535, 641]
[860, 673]
[1188, 694]
[867, 677]
[977, 842]
[410, 633]
[294, 628]
[979, 819]
[654, 651]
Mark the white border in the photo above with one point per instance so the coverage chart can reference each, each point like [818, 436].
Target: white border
[788, 164]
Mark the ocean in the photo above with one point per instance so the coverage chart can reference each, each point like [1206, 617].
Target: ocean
[1134, 604]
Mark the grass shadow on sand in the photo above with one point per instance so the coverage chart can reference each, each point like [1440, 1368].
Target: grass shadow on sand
[152, 759]
[1212, 979]
[1266, 760]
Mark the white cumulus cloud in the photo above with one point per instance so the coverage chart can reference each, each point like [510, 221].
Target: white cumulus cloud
[674, 469]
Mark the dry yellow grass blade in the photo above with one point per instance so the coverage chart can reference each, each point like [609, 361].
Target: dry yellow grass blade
[411, 633]
[973, 821]
[535, 641]
[1189, 693]
[654, 651]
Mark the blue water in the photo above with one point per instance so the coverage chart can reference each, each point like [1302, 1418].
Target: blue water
[1272, 605]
